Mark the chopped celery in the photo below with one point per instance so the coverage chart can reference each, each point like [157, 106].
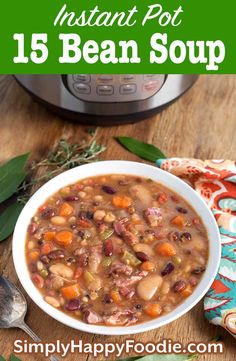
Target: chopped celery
[106, 234]
[130, 259]
[88, 277]
[106, 262]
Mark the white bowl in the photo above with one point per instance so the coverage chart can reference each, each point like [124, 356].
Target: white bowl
[116, 167]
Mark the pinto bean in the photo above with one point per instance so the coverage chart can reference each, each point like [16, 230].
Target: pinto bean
[148, 286]
[143, 257]
[108, 247]
[179, 286]
[62, 270]
[52, 301]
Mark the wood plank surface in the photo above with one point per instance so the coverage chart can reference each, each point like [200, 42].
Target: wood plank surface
[201, 124]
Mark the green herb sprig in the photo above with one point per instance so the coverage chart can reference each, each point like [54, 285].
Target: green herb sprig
[16, 181]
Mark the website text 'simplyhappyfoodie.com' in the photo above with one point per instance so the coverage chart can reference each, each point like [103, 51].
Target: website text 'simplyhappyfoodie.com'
[165, 346]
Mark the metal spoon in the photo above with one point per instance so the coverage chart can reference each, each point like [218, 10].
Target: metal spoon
[13, 308]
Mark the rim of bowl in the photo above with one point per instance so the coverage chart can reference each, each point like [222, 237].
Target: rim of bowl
[116, 167]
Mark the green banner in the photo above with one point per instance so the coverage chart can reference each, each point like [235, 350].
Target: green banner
[122, 36]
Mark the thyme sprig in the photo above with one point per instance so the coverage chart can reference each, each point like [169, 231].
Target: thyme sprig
[64, 157]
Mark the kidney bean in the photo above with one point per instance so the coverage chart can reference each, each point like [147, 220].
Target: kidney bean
[181, 210]
[174, 236]
[198, 270]
[179, 286]
[168, 269]
[44, 259]
[108, 189]
[186, 236]
[57, 254]
[73, 305]
[83, 260]
[71, 198]
[32, 228]
[89, 215]
[107, 299]
[48, 213]
[193, 281]
[108, 247]
[142, 256]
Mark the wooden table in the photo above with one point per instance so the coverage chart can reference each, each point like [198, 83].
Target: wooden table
[201, 124]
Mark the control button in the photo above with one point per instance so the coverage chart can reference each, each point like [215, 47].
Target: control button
[81, 78]
[151, 86]
[105, 90]
[82, 88]
[126, 89]
[126, 78]
[105, 78]
[149, 77]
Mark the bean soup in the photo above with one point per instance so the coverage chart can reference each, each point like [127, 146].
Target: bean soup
[116, 250]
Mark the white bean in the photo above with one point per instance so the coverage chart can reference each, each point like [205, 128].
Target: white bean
[99, 215]
[58, 220]
[98, 198]
[40, 266]
[52, 301]
[62, 270]
[148, 286]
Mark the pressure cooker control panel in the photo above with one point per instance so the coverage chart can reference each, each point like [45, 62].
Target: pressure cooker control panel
[114, 88]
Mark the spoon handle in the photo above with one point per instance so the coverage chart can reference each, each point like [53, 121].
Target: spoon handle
[33, 335]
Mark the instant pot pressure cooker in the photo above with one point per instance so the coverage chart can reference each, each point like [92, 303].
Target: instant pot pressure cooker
[106, 99]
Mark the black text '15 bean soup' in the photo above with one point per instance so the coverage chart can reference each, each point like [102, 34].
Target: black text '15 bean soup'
[116, 250]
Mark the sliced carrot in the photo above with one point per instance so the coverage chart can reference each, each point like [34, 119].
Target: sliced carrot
[66, 210]
[116, 297]
[70, 292]
[34, 255]
[153, 310]
[84, 224]
[49, 236]
[165, 249]
[178, 221]
[187, 291]
[78, 272]
[64, 238]
[147, 266]
[46, 248]
[121, 201]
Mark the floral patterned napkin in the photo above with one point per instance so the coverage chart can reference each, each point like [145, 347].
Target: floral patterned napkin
[215, 181]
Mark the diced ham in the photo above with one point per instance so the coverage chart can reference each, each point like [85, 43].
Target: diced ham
[130, 238]
[95, 259]
[92, 317]
[126, 292]
[153, 216]
[127, 282]
[121, 268]
[119, 225]
[120, 318]
[142, 194]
